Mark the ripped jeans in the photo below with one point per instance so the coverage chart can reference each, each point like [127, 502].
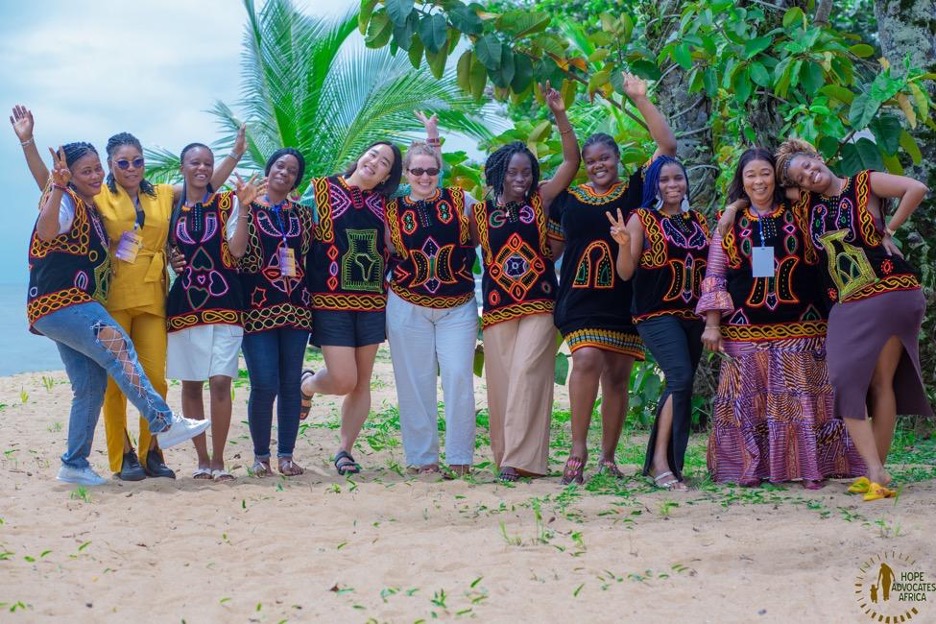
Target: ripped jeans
[93, 346]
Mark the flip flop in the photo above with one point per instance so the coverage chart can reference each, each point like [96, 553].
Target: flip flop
[877, 491]
[202, 474]
[610, 468]
[305, 406]
[222, 475]
[573, 471]
[669, 485]
[860, 486]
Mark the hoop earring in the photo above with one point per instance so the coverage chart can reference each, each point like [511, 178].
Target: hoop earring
[684, 206]
[659, 203]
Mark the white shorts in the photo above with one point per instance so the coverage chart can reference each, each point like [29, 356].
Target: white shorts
[204, 351]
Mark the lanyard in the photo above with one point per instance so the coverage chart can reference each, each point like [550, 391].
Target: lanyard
[277, 211]
[140, 215]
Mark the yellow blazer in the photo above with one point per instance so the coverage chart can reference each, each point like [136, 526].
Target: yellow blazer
[143, 283]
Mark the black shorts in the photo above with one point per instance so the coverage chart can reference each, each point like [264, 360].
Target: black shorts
[333, 328]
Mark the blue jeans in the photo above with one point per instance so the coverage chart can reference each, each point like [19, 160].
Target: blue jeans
[676, 345]
[274, 363]
[93, 346]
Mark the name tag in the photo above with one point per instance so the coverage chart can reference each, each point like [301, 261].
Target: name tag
[129, 246]
[287, 262]
[762, 262]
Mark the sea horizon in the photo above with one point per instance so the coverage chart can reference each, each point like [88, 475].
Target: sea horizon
[23, 351]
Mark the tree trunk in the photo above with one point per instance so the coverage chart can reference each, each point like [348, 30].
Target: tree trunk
[906, 30]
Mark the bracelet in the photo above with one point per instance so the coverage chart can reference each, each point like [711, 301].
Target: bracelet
[713, 327]
[59, 187]
[434, 142]
[243, 217]
[234, 156]
[567, 130]
[27, 142]
[890, 232]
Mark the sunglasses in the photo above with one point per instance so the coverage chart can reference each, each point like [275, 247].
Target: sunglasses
[418, 171]
[125, 164]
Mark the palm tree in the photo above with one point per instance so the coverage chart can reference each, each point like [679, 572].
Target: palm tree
[307, 84]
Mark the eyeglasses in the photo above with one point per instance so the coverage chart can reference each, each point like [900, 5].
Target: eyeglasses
[125, 164]
[418, 171]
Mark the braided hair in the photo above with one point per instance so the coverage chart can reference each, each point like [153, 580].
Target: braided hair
[74, 151]
[736, 186]
[788, 150]
[600, 138]
[177, 209]
[119, 140]
[495, 168]
[651, 185]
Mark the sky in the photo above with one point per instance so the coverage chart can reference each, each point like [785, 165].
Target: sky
[88, 70]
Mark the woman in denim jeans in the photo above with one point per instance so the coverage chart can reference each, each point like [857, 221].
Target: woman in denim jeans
[69, 273]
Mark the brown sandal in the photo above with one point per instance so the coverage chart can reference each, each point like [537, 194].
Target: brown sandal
[610, 468]
[261, 468]
[574, 471]
[305, 405]
[289, 468]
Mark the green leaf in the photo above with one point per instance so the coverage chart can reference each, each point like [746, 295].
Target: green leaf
[488, 51]
[710, 80]
[466, 19]
[503, 75]
[811, 77]
[478, 78]
[893, 165]
[367, 9]
[415, 52]
[433, 30]
[399, 10]
[759, 74]
[403, 35]
[647, 70]
[792, 16]
[682, 55]
[861, 50]
[754, 46]
[862, 111]
[827, 146]
[860, 155]
[741, 85]
[520, 23]
[562, 368]
[379, 31]
[909, 145]
[523, 73]
[884, 87]
[463, 71]
[436, 61]
[839, 93]
[886, 130]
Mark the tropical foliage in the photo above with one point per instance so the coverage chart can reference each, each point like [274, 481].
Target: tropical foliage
[306, 83]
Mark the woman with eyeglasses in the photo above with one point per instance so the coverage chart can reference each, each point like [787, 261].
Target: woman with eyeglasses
[136, 216]
[346, 271]
[432, 316]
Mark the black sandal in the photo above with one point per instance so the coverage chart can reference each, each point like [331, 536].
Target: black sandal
[305, 405]
[345, 464]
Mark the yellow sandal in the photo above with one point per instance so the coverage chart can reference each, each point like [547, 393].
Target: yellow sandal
[860, 486]
[877, 492]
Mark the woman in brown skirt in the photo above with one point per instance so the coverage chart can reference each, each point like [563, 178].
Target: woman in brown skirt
[872, 348]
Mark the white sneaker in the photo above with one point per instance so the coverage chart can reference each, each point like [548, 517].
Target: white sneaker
[180, 430]
[81, 476]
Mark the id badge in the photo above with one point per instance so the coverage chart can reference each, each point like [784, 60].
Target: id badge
[129, 246]
[287, 262]
[762, 262]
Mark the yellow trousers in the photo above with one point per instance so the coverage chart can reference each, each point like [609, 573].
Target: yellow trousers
[147, 331]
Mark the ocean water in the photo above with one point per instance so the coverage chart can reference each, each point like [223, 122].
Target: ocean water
[21, 351]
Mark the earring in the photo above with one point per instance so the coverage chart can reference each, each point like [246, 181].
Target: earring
[659, 203]
[684, 206]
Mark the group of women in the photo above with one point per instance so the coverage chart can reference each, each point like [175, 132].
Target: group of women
[354, 262]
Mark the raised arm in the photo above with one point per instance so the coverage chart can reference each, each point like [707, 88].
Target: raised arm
[660, 131]
[571, 157]
[22, 122]
[226, 167]
[47, 226]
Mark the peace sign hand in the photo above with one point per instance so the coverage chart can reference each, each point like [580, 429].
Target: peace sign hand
[61, 175]
[618, 228]
[247, 191]
[553, 98]
[430, 123]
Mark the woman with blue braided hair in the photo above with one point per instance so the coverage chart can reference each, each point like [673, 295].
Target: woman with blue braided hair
[136, 215]
[519, 288]
[69, 277]
[663, 249]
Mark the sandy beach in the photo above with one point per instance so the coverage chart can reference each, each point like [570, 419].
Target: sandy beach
[386, 546]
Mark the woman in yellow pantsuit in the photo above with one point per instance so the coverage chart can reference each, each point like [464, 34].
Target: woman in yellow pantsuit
[136, 216]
